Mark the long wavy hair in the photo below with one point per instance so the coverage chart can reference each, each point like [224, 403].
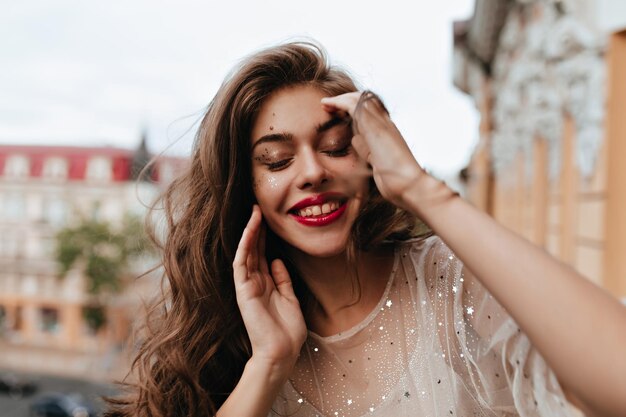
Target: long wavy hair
[193, 346]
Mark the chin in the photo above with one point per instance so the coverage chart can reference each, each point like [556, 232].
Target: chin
[324, 252]
[322, 248]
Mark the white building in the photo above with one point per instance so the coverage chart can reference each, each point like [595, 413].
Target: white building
[43, 189]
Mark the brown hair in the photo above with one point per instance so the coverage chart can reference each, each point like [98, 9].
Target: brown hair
[194, 346]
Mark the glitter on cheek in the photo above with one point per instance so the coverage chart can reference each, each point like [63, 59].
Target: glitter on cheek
[272, 182]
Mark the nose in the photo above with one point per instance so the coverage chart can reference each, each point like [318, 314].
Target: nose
[312, 171]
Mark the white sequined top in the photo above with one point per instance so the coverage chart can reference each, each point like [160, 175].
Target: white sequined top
[437, 344]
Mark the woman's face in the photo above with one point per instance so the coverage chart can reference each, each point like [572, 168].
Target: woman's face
[307, 178]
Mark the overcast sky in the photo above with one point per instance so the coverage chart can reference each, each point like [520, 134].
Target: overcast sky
[97, 73]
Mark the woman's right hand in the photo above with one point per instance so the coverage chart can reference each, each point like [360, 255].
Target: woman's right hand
[269, 308]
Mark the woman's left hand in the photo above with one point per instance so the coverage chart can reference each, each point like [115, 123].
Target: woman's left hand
[380, 143]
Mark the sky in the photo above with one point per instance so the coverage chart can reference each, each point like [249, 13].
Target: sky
[87, 73]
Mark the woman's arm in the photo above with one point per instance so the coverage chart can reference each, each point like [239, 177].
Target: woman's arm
[274, 322]
[578, 328]
[256, 390]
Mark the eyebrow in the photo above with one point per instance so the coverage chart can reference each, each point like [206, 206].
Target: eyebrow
[329, 124]
[288, 137]
[274, 138]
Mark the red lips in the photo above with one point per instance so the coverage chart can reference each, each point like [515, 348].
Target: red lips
[320, 220]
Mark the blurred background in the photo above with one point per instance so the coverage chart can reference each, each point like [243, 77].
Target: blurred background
[519, 104]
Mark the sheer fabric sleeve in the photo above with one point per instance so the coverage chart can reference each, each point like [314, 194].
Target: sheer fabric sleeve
[491, 356]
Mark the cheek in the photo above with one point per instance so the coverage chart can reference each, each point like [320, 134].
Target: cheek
[353, 174]
[269, 189]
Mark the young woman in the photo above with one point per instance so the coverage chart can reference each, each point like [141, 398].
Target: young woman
[299, 283]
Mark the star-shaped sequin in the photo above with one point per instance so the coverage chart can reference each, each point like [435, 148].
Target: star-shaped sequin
[470, 310]
[388, 303]
[454, 289]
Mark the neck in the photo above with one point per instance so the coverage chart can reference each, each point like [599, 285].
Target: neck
[345, 290]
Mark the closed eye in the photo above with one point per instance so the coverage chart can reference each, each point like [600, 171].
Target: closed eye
[339, 152]
[277, 166]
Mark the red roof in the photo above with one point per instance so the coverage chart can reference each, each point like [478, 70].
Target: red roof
[76, 157]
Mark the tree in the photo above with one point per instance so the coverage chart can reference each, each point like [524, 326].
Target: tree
[105, 253]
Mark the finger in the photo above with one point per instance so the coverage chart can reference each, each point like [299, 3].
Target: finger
[282, 280]
[261, 249]
[240, 269]
[252, 262]
[344, 102]
[361, 147]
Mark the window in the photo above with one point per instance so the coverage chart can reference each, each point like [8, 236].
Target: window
[9, 244]
[14, 206]
[99, 169]
[55, 168]
[54, 211]
[17, 166]
[49, 320]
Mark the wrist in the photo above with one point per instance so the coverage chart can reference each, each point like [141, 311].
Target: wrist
[271, 370]
[427, 193]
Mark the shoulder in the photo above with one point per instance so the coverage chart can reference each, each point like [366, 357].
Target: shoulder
[434, 263]
[430, 248]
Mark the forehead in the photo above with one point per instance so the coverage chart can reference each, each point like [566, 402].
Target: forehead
[296, 110]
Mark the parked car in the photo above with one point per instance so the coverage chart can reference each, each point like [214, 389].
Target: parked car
[16, 386]
[61, 405]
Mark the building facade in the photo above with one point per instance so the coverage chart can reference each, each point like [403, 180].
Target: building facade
[549, 80]
[44, 189]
